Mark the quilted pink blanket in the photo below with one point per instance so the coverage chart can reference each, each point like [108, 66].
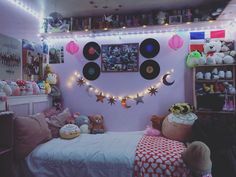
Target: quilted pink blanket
[159, 157]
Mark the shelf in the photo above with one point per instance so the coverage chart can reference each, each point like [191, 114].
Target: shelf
[5, 150]
[216, 65]
[217, 112]
[216, 94]
[217, 80]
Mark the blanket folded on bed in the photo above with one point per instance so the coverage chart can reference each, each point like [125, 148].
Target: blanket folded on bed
[158, 156]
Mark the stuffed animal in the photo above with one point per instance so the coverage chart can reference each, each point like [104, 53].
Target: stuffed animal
[83, 123]
[197, 158]
[157, 121]
[211, 46]
[228, 59]
[199, 75]
[22, 85]
[47, 88]
[181, 108]
[161, 18]
[97, 124]
[42, 87]
[36, 89]
[192, 58]
[5, 88]
[227, 47]
[14, 87]
[150, 131]
[51, 78]
[207, 76]
[29, 88]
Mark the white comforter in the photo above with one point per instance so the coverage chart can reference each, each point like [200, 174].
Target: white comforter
[101, 155]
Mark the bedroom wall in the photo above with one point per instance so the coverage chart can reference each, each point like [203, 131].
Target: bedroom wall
[137, 117]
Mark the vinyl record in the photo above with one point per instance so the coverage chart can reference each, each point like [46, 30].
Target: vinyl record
[149, 48]
[149, 69]
[91, 71]
[91, 51]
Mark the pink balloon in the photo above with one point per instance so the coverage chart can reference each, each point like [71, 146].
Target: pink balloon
[72, 47]
[176, 42]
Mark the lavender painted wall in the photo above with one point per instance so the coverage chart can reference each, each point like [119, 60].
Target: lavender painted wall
[137, 117]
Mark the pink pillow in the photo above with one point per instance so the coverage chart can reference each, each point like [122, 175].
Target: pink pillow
[55, 122]
[28, 133]
[152, 131]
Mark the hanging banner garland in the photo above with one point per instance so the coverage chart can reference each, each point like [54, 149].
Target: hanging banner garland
[101, 96]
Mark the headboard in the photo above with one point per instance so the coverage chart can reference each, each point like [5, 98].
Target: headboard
[29, 104]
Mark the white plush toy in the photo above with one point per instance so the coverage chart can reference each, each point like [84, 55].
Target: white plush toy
[199, 75]
[5, 88]
[228, 59]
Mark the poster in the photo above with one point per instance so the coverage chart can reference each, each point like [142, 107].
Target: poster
[10, 58]
[56, 55]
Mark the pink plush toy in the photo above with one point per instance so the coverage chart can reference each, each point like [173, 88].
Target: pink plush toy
[14, 87]
[29, 88]
[36, 90]
[152, 131]
[22, 85]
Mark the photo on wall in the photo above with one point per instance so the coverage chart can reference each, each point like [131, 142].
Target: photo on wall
[120, 57]
[56, 55]
[10, 58]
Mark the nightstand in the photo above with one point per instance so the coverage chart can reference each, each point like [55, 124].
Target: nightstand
[6, 144]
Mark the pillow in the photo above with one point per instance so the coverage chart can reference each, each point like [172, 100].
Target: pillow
[69, 131]
[51, 112]
[28, 133]
[57, 121]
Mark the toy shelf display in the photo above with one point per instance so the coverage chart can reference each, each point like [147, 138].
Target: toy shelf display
[214, 88]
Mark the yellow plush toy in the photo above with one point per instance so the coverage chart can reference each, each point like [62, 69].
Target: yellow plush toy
[47, 88]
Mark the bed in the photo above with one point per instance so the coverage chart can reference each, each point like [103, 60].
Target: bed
[113, 154]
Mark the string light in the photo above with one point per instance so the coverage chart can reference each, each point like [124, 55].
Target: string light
[26, 8]
[95, 90]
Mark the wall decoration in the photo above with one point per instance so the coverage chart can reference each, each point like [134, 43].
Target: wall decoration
[167, 83]
[120, 58]
[149, 48]
[175, 42]
[177, 19]
[72, 47]
[91, 51]
[149, 69]
[112, 99]
[10, 58]
[56, 55]
[91, 71]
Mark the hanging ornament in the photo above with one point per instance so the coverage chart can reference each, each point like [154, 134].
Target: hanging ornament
[80, 82]
[72, 47]
[111, 100]
[88, 89]
[139, 99]
[124, 103]
[152, 91]
[100, 97]
[176, 42]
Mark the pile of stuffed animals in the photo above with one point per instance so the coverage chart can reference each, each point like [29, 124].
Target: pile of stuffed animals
[215, 52]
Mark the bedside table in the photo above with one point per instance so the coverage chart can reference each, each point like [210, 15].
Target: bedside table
[6, 144]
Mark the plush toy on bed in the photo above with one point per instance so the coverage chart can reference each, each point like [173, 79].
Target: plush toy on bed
[97, 124]
[197, 158]
[157, 121]
[150, 131]
[83, 123]
[69, 131]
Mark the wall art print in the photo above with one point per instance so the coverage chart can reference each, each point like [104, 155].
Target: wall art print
[10, 58]
[56, 55]
[120, 57]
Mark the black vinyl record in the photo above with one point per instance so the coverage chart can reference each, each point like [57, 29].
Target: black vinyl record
[91, 71]
[149, 69]
[149, 48]
[91, 51]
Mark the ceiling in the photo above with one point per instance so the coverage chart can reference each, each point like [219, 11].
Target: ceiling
[69, 8]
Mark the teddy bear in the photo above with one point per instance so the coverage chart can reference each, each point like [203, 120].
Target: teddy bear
[157, 121]
[83, 123]
[97, 124]
[197, 158]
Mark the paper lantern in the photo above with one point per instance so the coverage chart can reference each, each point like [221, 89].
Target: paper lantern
[72, 47]
[176, 42]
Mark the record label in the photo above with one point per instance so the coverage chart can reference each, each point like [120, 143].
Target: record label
[149, 48]
[91, 71]
[91, 51]
[149, 69]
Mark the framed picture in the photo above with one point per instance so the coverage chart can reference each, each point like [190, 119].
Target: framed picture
[176, 19]
[120, 57]
[56, 55]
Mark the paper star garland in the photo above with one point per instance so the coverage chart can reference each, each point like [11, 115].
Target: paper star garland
[111, 101]
[152, 91]
[100, 97]
[81, 81]
[139, 99]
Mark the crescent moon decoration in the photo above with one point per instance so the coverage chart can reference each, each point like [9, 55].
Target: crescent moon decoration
[124, 103]
[111, 99]
[164, 80]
